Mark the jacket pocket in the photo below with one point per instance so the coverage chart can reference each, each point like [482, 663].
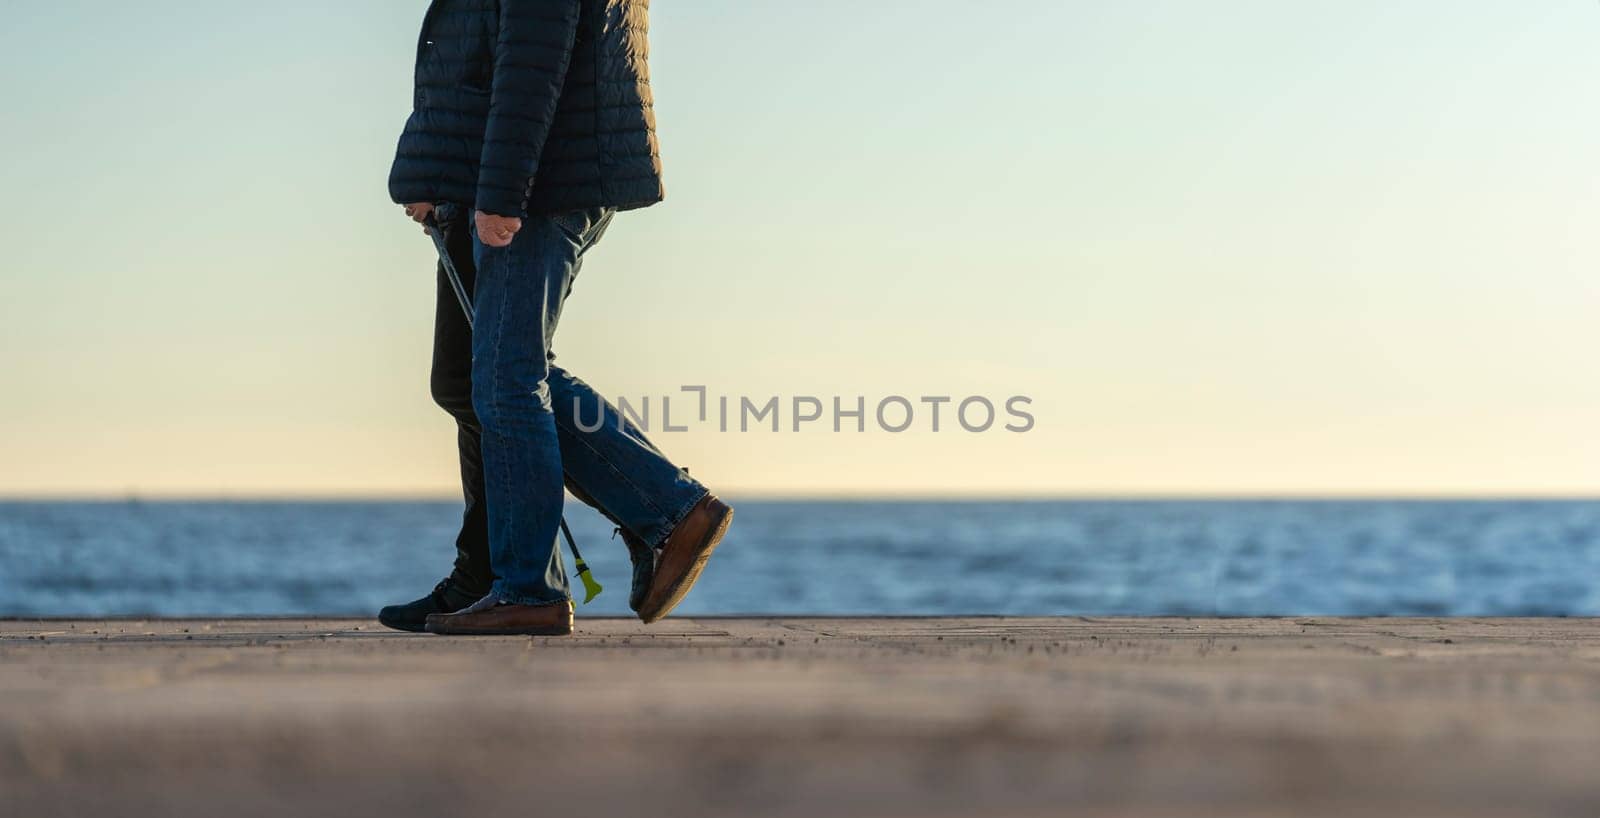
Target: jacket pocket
[582, 226]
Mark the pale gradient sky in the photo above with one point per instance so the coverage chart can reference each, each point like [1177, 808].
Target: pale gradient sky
[1240, 246]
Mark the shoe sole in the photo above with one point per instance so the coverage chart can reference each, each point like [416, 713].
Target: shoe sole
[681, 586]
[420, 627]
[551, 631]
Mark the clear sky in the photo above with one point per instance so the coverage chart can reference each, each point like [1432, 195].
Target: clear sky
[1241, 246]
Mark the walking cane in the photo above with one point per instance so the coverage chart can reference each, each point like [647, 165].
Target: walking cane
[591, 587]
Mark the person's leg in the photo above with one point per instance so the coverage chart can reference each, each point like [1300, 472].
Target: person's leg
[612, 466]
[609, 458]
[591, 456]
[608, 462]
[517, 303]
[669, 521]
[451, 384]
[600, 447]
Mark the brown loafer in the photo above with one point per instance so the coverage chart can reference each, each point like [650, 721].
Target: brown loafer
[490, 617]
[683, 556]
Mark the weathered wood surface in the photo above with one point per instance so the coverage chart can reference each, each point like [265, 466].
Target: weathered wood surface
[805, 717]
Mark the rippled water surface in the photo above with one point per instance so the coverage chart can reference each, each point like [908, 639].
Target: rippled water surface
[806, 557]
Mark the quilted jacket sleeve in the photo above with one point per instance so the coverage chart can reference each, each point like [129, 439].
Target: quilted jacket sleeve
[531, 56]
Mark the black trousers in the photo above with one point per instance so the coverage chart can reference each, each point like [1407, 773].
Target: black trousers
[451, 384]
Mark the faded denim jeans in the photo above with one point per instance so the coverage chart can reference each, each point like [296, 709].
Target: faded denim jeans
[534, 423]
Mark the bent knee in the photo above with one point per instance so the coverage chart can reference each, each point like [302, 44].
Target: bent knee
[499, 405]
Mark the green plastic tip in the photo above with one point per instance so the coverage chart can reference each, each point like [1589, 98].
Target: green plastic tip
[591, 588]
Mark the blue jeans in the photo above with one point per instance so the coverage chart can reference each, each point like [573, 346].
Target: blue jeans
[528, 411]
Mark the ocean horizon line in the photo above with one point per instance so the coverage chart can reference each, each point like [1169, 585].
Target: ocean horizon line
[267, 498]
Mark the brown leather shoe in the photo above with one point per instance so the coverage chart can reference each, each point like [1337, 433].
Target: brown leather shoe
[490, 617]
[683, 556]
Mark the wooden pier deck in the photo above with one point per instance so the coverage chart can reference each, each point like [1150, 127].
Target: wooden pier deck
[804, 717]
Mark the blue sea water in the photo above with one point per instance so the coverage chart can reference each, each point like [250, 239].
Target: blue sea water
[1280, 557]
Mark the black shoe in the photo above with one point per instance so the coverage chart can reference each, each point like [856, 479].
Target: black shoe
[644, 569]
[447, 597]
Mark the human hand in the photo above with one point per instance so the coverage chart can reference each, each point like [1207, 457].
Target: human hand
[496, 231]
[419, 213]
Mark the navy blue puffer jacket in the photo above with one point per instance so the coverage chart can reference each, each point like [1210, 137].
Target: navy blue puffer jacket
[531, 106]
